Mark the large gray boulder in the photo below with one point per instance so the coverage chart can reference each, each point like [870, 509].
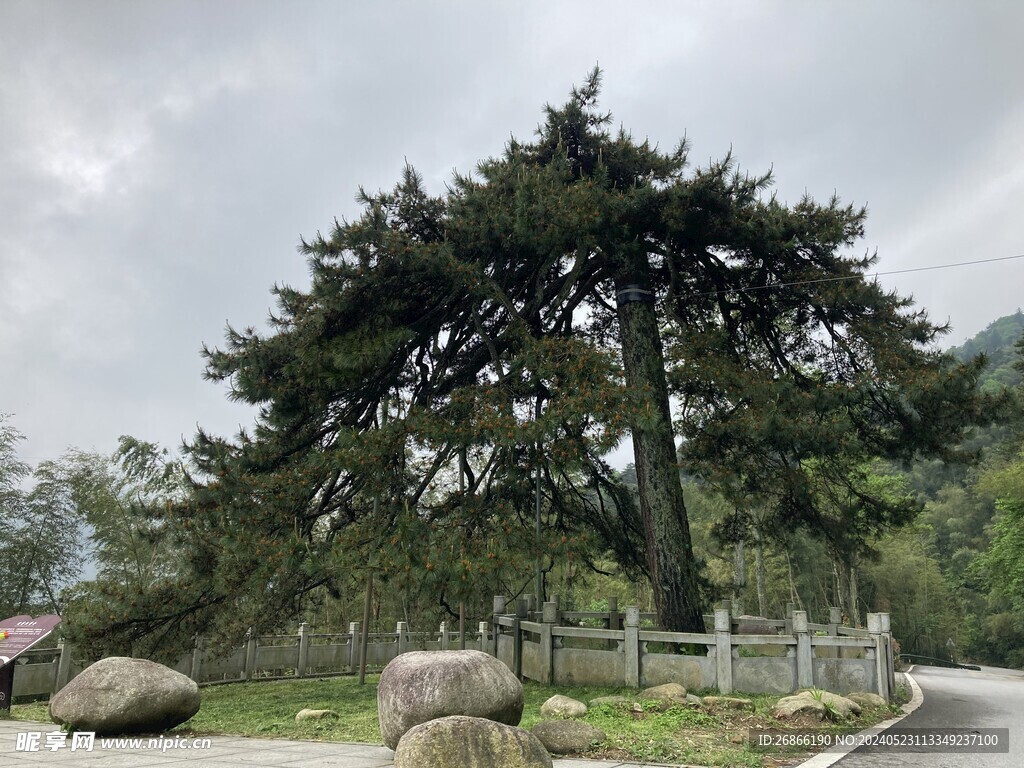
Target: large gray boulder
[566, 737]
[421, 686]
[469, 742]
[122, 695]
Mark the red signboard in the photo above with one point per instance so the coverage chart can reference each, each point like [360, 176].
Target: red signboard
[17, 635]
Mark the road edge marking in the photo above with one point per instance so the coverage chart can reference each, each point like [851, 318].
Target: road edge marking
[827, 759]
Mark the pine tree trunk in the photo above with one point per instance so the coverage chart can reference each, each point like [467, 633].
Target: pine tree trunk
[673, 572]
[854, 611]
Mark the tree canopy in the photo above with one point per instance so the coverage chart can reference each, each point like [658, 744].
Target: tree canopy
[579, 288]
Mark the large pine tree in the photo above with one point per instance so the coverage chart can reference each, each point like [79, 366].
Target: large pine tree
[577, 288]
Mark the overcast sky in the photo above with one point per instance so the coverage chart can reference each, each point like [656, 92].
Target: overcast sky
[160, 160]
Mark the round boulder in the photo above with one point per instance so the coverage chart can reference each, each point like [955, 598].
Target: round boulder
[421, 686]
[841, 705]
[800, 704]
[616, 702]
[566, 737]
[123, 695]
[667, 695]
[727, 702]
[562, 707]
[316, 714]
[469, 742]
[866, 700]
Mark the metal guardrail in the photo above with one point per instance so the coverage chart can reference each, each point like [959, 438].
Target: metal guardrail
[931, 661]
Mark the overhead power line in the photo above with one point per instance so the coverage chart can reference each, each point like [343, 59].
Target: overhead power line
[768, 286]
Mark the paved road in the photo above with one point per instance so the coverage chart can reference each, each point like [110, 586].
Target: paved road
[223, 752]
[955, 698]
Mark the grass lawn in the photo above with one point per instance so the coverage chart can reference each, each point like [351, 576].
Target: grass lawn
[680, 735]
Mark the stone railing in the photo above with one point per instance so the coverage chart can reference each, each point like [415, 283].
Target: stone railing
[553, 646]
[747, 654]
[264, 657]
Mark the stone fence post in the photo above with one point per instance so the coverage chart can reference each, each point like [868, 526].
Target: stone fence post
[835, 620]
[402, 630]
[613, 614]
[64, 665]
[443, 630]
[549, 618]
[300, 668]
[890, 661]
[883, 650]
[804, 652]
[498, 609]
[631, 646]
[353, 646]
[198, 649]
[250, 654]
[723, 649]
[485, 643]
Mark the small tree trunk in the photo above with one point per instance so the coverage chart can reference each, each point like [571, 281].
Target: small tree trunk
[739, 572]
[762, 594]
[794, 596]
[852, 583]
[839, 594]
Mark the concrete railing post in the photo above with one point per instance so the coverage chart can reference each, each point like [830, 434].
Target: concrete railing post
[881, 664]
[612, 621]
[484, 645]
[402, 631]
[631, 646]
[835, 620]
[499, 608]
[889, 660]
[443, 630]
[64, 666]
[804, 653]
[353, 645]
[723, 649]
[250, 655]
[522, 612]
[549, 618]
[523, 607]
[517, 648]
[790, 607]
[300, 668]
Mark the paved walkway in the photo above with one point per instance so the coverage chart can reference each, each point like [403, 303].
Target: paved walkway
[222, 752]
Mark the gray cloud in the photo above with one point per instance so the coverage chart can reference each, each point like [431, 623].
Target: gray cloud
[160, 161]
